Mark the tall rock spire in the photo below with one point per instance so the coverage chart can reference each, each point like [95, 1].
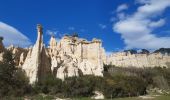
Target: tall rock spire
[37, 63]
[1, 45]
[53, 42]
[40, 33]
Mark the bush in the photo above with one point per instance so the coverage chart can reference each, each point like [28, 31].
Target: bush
[50, 85]
[121, 86]
[79, 86]
[13, 81]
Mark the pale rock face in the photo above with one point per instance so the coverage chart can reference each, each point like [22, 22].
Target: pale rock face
[1, 49]
[21, 59]
[124, 59]
[53, 43]
[72, 56]
[1, 57]
[98, 95]
[19, 54]
[37, 64]
[1, 45]
[76, 56]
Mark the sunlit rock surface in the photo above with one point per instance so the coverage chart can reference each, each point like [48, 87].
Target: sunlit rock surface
[37, 63]
[126, 59]
[2, 48]
[72, 56]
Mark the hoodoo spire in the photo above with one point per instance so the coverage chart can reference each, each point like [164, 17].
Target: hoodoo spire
[53, 42]
[39, 29]
[40, 33]
[1, 44]
[37, 64]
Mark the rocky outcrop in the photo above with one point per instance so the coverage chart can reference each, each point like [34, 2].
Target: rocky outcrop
[126, 59]
[1, 45]
[2, 48]
[98, 95]
[73, 56]
[19, 54]
[37, 63]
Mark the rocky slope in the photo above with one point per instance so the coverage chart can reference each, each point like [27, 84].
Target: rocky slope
[127, 59]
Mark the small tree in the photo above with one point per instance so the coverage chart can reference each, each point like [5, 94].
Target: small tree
[12, 80]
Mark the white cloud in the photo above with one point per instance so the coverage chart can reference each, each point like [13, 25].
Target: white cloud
[71, 28]
[122, 7]
[102, 26]
[82, 30]
[50, 32]
[113, 19]
[13, 36]
[158, 23]
[137, 29]
[121, 15]
[54, 33]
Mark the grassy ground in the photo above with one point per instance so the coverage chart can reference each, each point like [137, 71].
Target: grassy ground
[39, 97]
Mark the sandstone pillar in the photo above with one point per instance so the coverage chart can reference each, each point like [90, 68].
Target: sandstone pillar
[1, 45]
[37, 65]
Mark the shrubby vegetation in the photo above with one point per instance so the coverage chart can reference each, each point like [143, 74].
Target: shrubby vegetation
[117, 82]
[111, 85]
[156, 77]
[13, 81]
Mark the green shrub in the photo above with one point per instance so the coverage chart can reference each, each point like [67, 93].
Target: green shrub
[13, 81]
[78, 86]
[49, 85]
[121, 86]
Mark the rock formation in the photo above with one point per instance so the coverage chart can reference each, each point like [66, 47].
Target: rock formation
[126, 59]
[72, 56]
[17, 53]
[1, 48]
[37, 63]
[1, 45]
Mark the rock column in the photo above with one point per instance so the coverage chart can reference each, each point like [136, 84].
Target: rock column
[37, 64]
[1, 45]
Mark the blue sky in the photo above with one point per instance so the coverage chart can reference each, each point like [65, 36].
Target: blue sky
[120, 24]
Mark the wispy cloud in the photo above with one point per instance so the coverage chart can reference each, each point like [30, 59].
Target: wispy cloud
[56, 34]
[137, 29]
[112, 19]
[71, 28]
[13, 36]
[82, 30]
[102, 26]
[122, 7]
[50, 32]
